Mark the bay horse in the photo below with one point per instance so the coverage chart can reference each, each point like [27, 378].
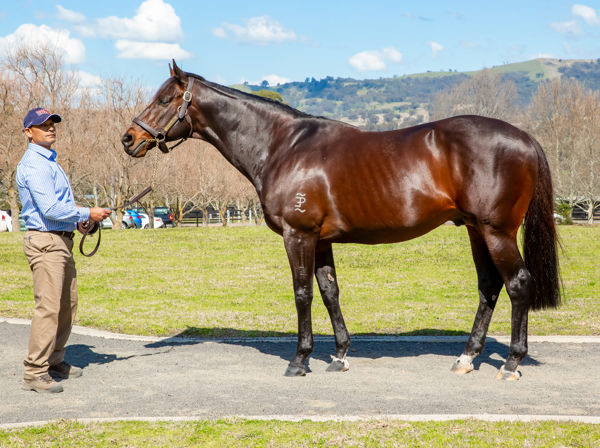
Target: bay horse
[322, 181]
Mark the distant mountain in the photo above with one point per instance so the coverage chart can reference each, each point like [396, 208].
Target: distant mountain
[389, 103]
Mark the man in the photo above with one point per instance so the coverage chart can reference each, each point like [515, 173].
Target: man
[51, 217]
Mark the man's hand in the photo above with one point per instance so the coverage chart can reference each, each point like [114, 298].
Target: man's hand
[99, 213]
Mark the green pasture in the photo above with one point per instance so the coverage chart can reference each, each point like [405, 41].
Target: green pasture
[236, 281]
[234, 433]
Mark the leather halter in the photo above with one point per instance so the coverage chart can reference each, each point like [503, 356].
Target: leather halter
[160, 134]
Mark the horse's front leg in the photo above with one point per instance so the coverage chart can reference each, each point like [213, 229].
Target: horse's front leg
[328, 286]
[300, 248]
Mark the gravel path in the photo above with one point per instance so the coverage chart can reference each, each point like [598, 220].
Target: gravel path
[129, 377]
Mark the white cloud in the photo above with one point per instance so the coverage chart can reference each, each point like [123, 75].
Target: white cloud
[150, 50]
[154, 32]
[88, 81]
[32, 36]
[574, 27]
[155, 21]
[571, 27]
[367, 61]
[545, 56]
[256, 30]
[586, 13]
[273, 80]
[435, 48]
[69, 16]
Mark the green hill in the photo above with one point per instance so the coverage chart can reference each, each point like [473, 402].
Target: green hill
[389, 103]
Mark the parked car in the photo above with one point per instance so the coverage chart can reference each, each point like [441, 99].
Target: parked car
[142, 220]
[106, 224]
[5, 222]
[128, 221]
[146, 221]
[165, 215]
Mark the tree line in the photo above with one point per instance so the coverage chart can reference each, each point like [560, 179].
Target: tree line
[562, 114]
[89, 144]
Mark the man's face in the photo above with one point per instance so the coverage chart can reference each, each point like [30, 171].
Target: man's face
[42, 134]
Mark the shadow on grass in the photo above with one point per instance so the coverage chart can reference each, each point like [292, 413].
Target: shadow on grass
[365, 345]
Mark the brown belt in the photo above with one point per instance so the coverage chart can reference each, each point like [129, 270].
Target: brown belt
[63, 233]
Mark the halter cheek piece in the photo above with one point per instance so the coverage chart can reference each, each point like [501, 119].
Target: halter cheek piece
[160, 134]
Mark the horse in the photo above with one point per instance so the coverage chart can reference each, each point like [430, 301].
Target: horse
[322, 181]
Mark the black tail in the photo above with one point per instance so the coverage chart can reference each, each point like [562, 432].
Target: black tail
[541, 240]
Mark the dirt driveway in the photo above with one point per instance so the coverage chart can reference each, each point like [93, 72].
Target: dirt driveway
[140, 377]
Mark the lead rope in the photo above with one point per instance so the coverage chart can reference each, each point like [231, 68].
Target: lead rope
[154, 171]
[90, 227]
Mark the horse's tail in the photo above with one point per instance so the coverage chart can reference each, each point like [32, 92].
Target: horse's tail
[540, 244]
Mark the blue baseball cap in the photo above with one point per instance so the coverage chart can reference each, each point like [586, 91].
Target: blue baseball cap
[38, 116]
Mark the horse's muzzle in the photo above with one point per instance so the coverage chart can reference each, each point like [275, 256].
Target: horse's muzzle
[128, 140]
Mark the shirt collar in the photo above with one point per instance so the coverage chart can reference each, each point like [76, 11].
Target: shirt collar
[50, 154]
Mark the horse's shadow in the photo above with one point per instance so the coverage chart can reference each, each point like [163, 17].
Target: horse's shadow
[372, 347]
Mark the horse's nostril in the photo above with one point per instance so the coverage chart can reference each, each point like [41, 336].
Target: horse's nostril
[127, 140]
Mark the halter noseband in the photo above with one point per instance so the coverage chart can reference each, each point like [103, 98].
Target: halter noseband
[160, 134]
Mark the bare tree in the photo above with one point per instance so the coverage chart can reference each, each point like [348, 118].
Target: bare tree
[244, 196]
[30, 77]
[112, 175]
[565, 117]
[485, 93]
[12, 143]
[40, 68]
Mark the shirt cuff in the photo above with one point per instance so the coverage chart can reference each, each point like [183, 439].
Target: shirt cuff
[84, 214]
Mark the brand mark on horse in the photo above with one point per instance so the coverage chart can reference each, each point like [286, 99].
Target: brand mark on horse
[300, 199]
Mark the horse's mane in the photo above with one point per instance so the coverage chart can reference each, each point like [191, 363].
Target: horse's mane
[238, 94]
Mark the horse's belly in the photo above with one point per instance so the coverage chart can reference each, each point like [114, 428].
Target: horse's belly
[375, 231]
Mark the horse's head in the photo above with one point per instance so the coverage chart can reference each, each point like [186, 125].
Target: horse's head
[165, 119]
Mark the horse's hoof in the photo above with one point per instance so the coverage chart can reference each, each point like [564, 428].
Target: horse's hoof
[505, 375]
[295, 370]
[338, 365]
[462, 365]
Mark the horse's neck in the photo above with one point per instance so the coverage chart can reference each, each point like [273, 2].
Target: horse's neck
[243, 135]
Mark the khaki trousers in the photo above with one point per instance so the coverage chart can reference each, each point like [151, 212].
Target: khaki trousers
[51, 261]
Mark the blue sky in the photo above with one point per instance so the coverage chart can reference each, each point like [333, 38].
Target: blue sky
[279, 41]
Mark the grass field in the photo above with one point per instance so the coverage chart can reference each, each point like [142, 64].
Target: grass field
[233, 433]
[236, 282]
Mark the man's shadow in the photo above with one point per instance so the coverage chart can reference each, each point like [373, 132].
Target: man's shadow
[83, 355]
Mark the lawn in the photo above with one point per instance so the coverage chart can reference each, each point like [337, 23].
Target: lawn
[236, 281]
[237, 433]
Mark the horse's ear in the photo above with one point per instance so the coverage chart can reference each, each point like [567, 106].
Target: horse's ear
[176, 71]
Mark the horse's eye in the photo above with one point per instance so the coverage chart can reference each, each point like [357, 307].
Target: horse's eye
[163, 101]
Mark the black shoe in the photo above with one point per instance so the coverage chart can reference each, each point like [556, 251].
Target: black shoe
[65, 370]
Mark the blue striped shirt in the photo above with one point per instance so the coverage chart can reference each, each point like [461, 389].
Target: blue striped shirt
[45, 192]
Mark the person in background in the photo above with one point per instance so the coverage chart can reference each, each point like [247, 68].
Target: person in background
[51, 216]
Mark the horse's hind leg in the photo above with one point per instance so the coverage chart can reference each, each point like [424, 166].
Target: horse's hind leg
[327, 281]
[489, 285]
[518, 282]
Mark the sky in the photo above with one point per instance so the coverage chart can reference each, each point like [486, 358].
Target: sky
[230, 41]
